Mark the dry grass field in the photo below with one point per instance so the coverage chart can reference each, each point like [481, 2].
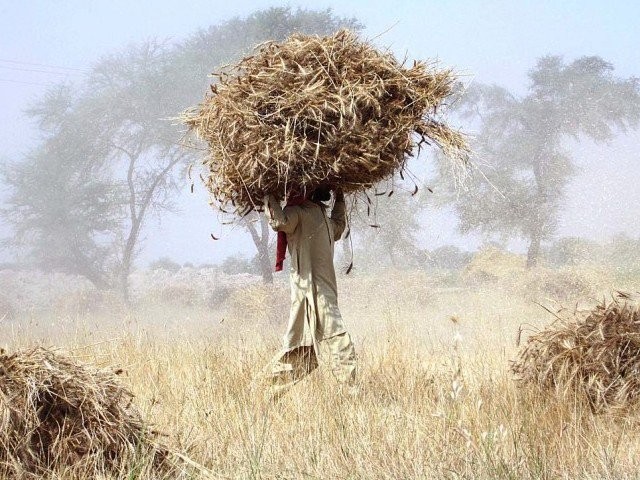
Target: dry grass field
[435, 397]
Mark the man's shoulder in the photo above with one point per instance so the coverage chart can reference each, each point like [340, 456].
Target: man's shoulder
[307, 204]
[292, 208]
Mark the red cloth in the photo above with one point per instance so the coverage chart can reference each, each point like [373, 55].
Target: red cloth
[281, 245]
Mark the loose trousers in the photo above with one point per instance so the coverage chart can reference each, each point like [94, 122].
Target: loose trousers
[288, 368]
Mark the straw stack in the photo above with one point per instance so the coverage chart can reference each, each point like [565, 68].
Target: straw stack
[58, 415]
[595, 357]
[318, 111]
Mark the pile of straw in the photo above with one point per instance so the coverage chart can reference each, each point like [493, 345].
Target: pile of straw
[61, 416]
[318, 111]
[595, 357]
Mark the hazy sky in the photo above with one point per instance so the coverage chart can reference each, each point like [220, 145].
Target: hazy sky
[43, 42]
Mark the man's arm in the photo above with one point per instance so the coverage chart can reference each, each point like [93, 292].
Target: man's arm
[280, 220]
[339, 215]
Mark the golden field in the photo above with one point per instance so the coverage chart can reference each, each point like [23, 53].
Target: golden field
[435, 396]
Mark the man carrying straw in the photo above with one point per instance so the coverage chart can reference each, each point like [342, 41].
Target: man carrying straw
[310, 234]
[314, 114]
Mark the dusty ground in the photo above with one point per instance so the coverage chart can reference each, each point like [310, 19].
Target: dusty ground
[435, 397]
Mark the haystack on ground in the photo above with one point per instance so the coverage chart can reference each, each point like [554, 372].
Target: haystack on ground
[59, 416]
[492, 263]
[318, 111]
[595, 357]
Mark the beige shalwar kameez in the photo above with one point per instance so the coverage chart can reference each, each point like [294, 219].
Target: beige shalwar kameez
[314, 315]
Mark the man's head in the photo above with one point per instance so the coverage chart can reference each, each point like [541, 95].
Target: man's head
[321, 194]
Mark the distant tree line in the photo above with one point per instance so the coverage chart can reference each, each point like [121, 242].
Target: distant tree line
[110, 156]
[518, 189]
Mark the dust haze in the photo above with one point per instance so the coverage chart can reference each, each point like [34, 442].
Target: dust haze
[109, 244]
[105, 190]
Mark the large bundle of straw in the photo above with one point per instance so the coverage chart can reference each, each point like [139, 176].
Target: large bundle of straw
[58, 415]
[318, 111]
[596, 357]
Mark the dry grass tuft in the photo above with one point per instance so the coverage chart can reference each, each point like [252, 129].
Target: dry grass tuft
[435, 397]
[318, 111]
[566, 284]
[596, 357]
[257, 303]
[59, 415]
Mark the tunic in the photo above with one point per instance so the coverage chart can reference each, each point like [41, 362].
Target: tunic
[311, 235]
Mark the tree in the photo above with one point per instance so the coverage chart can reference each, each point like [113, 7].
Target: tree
[110, 153]
[387, 227]
[449, 257]
[61, 200]
[235, 264]
[63, 225]
[622, 252]
[519, 190]
[574, 251]
[258, 227]
[165, 263]
[222, 44]
[136, 105]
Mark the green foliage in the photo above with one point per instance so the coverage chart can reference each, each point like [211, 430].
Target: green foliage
[62, 200]
[574, 251]
[622, 252]
[519, 188]
[448, 257]
[165, 263]
[619, 253]
[387, 229]
[110, 151]
[235, 264]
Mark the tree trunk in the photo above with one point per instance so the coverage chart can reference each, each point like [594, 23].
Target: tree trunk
[124, 284]
[127, 257]
[139, 201]
[533, 254]
[266, 269]
[261, 241]
[541, 211]
[96, 278]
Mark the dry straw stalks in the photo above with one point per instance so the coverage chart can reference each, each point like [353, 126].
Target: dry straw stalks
[594, 357]
[318, 111]
[61, 416]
